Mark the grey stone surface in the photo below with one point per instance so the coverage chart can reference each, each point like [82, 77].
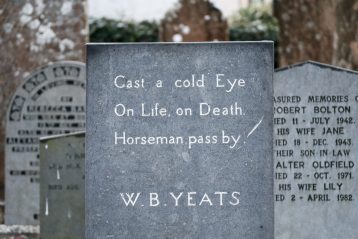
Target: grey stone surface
[315, 151]
[168, 155]
[50, 101]
[62, 186]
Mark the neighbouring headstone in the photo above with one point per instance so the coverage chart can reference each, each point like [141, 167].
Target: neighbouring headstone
[62, 186]
[50, 101]
[34, 33]
[178, 141]
[315, 151]
[193, 21]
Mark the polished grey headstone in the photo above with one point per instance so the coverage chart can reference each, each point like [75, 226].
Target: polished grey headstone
[50, 101]
[155, 155]
[315, 151]
[62, 186]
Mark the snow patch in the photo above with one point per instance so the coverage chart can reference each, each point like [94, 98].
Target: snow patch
[27, 9]
[19, 38]
[66, 44]
[177, 38]
[24, 19]
[66, 8]
[40, 6]
[26, 74]
[34, 24]
[184, 29]
[45, 34]
[7, 27]
[207, 17]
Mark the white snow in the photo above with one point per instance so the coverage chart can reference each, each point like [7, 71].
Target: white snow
[66, 44]
[40, 6]
[45, 34]
[34, 24]
[25, 19]
[177, 38]
[27, 9]
[34, 48]
[19, 38]
[185, 29]
[66, 8]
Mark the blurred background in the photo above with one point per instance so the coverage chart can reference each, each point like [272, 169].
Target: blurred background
[34, 33]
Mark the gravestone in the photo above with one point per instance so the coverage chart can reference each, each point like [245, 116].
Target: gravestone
[62, 181]
[315, 138]
[178, 140]
[34, 33]
[50, 101]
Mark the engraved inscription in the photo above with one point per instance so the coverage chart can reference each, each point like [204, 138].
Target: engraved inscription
[50, 102]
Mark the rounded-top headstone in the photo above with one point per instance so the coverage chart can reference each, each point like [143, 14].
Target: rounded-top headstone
[50, 101]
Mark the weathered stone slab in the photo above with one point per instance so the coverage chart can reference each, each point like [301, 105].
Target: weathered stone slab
[51, 101]
[151, 137]
[62, 186]
[34, 33]
[315, 138]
